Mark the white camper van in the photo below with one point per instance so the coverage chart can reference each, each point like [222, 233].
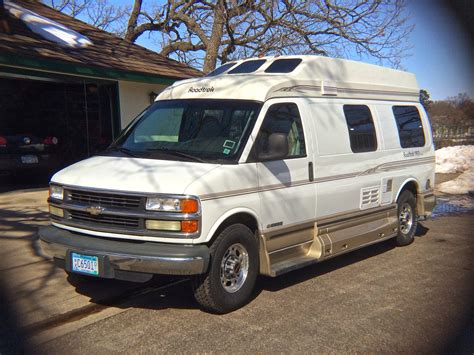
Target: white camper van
[263, 166]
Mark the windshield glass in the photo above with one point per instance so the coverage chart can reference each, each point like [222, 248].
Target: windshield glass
[191, 130]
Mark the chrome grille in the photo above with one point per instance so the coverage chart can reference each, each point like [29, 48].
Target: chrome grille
[104, 199]
[106, 220]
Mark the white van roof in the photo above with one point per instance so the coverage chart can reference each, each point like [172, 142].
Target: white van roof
[314, 76]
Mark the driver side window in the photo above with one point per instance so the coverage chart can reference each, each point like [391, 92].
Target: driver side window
[281, 132]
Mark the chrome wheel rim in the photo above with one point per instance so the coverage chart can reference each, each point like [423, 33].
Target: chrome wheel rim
[234, 268]
[405, 218]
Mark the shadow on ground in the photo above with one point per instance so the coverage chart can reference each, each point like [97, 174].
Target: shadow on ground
[23, 182]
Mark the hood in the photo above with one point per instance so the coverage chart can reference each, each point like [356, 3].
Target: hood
[132, 174]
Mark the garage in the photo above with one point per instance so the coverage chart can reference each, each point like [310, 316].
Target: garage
[61, 102]
[50, 123]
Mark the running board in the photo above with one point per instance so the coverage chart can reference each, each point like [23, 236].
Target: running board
[285, 266]
[325, 240]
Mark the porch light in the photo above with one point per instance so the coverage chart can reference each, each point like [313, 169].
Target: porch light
[153, 95]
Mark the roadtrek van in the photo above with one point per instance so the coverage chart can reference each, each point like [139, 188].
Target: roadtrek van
[263, 166]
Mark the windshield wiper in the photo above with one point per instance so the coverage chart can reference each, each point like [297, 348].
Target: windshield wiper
[178, 153]
[123, 150]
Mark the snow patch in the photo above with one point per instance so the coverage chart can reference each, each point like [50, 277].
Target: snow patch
[461, 185]
[455, 159]
[48, 29]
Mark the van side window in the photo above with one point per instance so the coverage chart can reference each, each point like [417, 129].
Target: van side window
[282, 121]
[248, 66]
[361, 128]
[283, 65]
[410, 128]
[221, 69]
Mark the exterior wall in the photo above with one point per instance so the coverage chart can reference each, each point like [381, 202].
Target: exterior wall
[134, 97]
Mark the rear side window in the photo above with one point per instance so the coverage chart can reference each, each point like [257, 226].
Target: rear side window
[410, 128]
[283, 65]
[248, 67]
[361, 128]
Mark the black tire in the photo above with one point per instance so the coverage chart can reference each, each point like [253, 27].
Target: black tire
[209, 289]
[407, 218]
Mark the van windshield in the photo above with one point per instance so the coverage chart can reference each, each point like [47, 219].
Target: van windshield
[190, 130]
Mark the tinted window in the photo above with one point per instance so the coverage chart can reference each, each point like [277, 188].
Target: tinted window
[410, 128]
[284, 120]
[283, 66]
[221, 69]
[248, 67]
[361, 128]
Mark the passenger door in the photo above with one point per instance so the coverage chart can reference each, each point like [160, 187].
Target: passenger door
[286, 191]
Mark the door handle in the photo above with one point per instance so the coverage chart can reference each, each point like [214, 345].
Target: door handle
[310, 171]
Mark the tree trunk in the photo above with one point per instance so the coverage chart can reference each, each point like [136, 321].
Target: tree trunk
[212, 51]
[130, 35]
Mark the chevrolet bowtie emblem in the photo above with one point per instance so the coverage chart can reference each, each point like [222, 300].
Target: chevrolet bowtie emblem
[95, 210]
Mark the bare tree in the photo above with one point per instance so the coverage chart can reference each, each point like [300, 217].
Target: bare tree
[205, 32]
[221, 30]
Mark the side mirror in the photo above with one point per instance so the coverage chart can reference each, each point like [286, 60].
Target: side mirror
[277, 148]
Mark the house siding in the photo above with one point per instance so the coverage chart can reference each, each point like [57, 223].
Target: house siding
[134, 98]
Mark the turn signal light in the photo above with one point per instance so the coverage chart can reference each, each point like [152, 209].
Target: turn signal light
[3, 141]
[189, 226]
[189, 206]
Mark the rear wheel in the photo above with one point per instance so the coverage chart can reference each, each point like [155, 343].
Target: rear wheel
[232, 273]
[407, 218]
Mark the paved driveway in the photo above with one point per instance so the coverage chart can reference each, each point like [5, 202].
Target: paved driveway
[379, 299]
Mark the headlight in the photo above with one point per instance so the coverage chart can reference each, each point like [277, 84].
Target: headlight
[185, 205]
[56, 192]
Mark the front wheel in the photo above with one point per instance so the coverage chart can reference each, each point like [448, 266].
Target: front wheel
[407, 218]
[232, 273]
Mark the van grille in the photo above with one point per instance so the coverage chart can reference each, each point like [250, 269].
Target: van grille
[104, 199]
[106, 220]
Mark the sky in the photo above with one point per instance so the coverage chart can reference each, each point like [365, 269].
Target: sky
[443, 52]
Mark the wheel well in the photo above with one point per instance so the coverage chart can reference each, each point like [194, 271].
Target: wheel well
[242, 218]
[410, 186]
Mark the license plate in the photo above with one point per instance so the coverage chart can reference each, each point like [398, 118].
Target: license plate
[85, 264]
[29, 159]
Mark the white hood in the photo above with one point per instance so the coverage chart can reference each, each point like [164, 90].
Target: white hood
[132, 174]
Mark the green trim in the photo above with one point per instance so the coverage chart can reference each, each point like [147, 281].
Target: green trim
[83, 70]
[27, 73]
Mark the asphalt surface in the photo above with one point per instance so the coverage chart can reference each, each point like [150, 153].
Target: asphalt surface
[382, 298]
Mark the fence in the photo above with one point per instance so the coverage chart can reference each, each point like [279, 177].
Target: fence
[445, 135]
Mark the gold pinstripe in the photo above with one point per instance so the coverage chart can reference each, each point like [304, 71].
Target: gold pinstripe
[382, 167]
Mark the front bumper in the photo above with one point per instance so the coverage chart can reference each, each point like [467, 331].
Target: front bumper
[125, 256]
